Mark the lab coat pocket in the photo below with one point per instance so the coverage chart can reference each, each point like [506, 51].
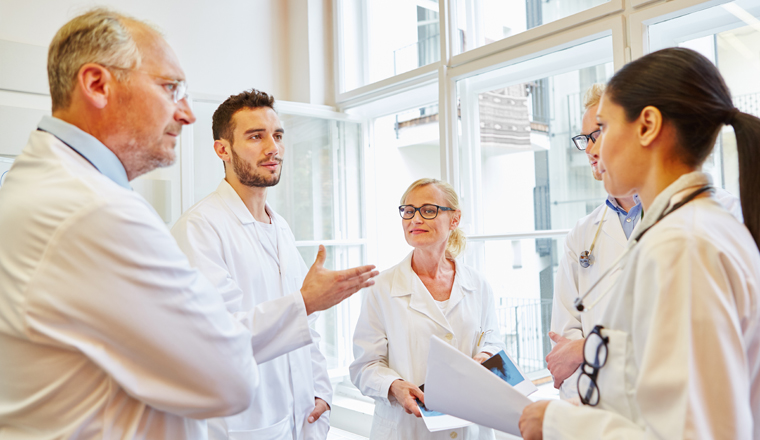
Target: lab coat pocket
[281, 430]
[614, 379]
[382, 428]
[318, 429]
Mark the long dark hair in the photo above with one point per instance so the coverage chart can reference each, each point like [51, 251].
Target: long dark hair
[690, 93]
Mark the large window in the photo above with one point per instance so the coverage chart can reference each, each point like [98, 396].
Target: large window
[480, 22]
[383, 38]
[520, 174]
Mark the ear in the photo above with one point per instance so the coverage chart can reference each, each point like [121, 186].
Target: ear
[96, 84]
[223, 149]
[650, 125]
[455, 219]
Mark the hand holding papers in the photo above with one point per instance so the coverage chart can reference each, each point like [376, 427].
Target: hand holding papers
[459, 386]
[438, 421]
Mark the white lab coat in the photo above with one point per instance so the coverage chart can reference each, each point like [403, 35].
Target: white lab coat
[682, 322]
[392, 340]
[105, 329]
[572, 280]
[220, 238]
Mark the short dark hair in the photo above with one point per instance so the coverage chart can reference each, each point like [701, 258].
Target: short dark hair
[222, 125]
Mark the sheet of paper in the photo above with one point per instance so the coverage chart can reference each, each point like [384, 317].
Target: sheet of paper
[438, 421]
[457, 385]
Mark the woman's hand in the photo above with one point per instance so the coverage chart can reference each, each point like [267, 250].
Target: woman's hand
[482, 356]
[532, 420]
[405, 393]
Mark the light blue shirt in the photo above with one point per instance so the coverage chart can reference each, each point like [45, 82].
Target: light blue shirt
[628, 220]
[88, 147]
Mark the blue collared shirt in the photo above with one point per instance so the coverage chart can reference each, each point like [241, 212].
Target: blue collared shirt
[628, 220]
[103, 159]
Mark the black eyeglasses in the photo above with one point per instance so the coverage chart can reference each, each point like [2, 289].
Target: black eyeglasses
[594, 358]
[581, 141]
[428, 212]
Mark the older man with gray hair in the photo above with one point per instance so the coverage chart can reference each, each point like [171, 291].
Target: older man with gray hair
[105, 329]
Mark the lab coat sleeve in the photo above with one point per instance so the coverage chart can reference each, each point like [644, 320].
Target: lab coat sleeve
[322, 387]
[693, 379]
[114, 285]
[566, 319]
[277, 326]
[493, 341]
[370, 371]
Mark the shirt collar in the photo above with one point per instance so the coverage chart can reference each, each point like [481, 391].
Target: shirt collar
[237, 206]
[615, 206]
[103, 159]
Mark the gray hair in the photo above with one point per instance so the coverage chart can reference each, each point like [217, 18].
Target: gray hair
[99, 36]
[593, 95]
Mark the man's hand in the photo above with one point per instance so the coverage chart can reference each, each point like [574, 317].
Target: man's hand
[532, 420]
[325, 288]
[405, 393]
[482, 356]
[564, 358]
[320, 406]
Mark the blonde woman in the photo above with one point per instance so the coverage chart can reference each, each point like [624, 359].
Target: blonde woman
[428, 293]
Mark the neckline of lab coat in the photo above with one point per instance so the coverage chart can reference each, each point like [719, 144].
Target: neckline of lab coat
[406, 282]
[238, 208]
[612, 227]
[665, 198]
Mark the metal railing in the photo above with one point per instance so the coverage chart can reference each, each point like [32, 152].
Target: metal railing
[522, 322]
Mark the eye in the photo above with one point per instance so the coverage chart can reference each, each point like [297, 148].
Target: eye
[170, 87]
[428, 210]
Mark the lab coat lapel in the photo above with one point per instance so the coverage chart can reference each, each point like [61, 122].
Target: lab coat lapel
[407, 282]
[612, 228]
[463, 284]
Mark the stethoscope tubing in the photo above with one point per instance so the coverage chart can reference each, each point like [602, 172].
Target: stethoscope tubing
[578, 303]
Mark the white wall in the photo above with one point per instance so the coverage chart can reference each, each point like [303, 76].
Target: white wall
[224, 46]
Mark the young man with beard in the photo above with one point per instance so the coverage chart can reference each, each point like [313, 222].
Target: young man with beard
[248, 252]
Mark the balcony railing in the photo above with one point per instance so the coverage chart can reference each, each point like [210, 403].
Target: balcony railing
[521, 324]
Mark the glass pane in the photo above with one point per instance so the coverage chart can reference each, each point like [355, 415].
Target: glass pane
[519, 169]
[406, 149]
[336, 325]
[208, 169]
[383, 38]
[729, 36]
[319, 193]
[480, 22]
[521, 273]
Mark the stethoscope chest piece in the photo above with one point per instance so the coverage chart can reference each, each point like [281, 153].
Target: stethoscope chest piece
[586, 259]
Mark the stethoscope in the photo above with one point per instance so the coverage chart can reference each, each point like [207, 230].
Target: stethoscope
[585, 258]
[578, 303]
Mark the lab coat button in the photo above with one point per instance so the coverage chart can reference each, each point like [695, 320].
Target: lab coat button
[449, 336]
[453, 435]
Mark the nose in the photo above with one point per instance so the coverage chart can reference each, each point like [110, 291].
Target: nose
[417, 217]
[184, 113]
[592, 148]
[272, 146]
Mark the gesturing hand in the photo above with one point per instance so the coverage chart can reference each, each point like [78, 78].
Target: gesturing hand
[564, 358]
[323, 288]
[405, 393]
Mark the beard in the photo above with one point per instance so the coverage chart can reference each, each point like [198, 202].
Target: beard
[248, 177]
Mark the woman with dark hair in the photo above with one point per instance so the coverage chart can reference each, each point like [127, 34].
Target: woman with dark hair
[677, 353]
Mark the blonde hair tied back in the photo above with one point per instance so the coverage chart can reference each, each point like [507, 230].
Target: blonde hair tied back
[457, 240]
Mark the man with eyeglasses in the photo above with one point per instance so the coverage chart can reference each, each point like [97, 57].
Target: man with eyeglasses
[106, 331]
[591, 247]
